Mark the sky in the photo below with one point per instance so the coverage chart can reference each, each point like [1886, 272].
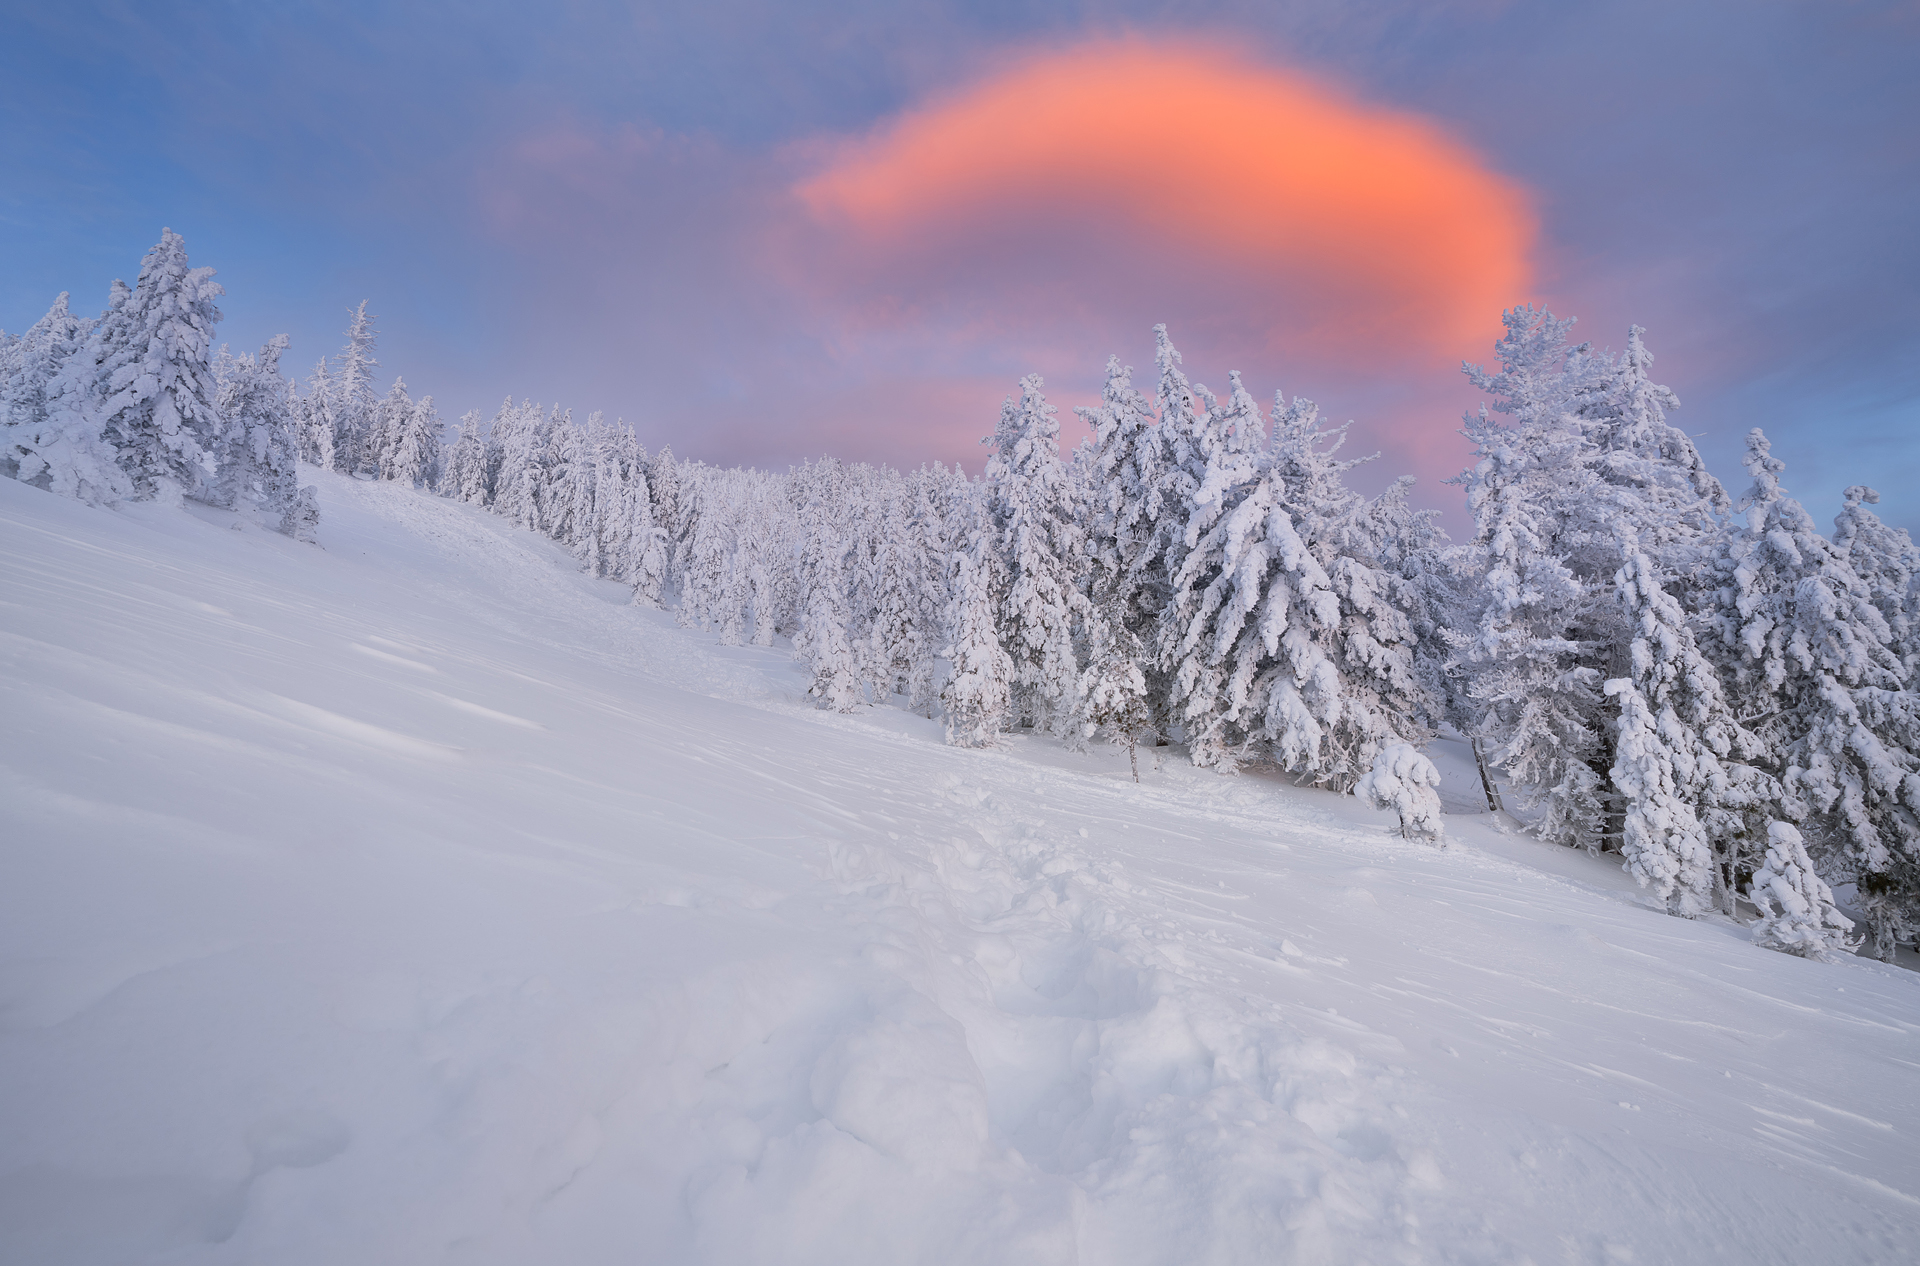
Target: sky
[763, 232]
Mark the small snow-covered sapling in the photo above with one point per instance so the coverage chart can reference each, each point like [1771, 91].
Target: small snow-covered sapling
[1404, 780]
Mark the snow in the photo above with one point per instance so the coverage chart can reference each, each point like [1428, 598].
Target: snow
[419, 899]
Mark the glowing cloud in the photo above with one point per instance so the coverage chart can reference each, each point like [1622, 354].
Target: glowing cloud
[1326, 225]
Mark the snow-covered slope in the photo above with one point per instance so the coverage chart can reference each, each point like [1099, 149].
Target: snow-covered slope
[417, 900]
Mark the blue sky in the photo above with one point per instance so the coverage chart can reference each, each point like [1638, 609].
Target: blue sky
[592, 203]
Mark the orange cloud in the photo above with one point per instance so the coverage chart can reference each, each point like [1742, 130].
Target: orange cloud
[1325, 223]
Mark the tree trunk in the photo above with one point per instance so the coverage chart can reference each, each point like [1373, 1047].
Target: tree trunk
[1486, 780]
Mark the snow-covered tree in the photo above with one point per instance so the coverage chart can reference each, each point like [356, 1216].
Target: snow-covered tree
[633, 545]
[1797, 910]
[31, 447]
[1113, 687]
[663, 485]
[1182, 443]
[1126, 582]
[466, 477]
[934, 525]
[28, 365]
[522, 436]
[389, 422]
[1885, 558]
[351, 403]
[302, 519]
[1041, 548]
[1681, 756]
[1402, 779]
[256, 458]
[565, 492]
[1808, 657]
[901, 638]
[1284, 634]
[1585, 462]
[977, 696]
[824, 640]
[416, 454]
[1360, 544]
[145, 379]
[1127, 505]
[315, 428]
[1237, 635]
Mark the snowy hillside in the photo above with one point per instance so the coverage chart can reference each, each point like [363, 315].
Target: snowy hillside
[418, 899]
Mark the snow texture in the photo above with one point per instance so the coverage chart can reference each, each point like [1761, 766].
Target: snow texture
[422, 898]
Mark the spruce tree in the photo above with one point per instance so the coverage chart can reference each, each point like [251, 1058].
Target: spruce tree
[314, 423]
[1041, 549]
[976, 698]
[825, 638]
[256, 456]
[417, 453]
[1123, 524]
[1584, 463]
[385, 429]
[32, 447]
[1809, 657]
[1797, 910]
[1113, 688]
[352, 406]
[1886, 560]
[465, 477]
[1682, 757]
[148, 373]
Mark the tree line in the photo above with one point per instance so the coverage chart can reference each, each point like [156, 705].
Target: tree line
[1705, 684]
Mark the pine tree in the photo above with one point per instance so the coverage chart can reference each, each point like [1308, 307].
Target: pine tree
[977, 696]
[385, 429]
[932, 532]
[556, 456]
[900, 641]
[314, 423]
[1178, 468]
[1885, 558]
[1041, 547]
[824, 641]
[1213, 658]
[466, 476]
[1530, 664]
[1797, 911]
[1371, 642]
[1809, 658]
[1284, 634]
[522, 436]
[663, 485]
[1586, 463]
[149, 372]
[1400, 778]
[352, 406]
[1681, 757]
[1237, 635]
[32, 447]
[71, 453]
[1123, 527]
[771, 581]
[302, 520]
[417, 454]
[633, 545]
[256, 457]
[1113, 689]
[28, 364]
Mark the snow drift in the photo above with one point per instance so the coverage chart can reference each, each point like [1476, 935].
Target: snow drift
[419, 899]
